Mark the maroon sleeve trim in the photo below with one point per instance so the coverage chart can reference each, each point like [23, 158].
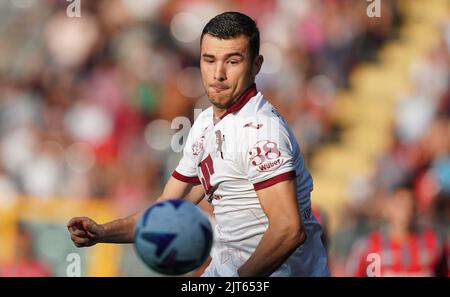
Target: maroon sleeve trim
[186, 179]
[274, 180]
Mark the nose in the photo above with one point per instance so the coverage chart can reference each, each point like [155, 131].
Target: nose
[220, 73]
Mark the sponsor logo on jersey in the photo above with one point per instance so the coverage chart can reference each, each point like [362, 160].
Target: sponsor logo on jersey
[252, 125]
[269, 165]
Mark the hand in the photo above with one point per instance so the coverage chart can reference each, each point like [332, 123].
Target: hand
[85, 232]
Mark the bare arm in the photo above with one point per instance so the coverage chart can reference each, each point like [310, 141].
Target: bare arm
[122, 230]
[86, 232]
[284, 234]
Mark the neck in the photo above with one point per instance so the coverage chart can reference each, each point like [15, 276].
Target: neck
[218, 112]
[398, 231]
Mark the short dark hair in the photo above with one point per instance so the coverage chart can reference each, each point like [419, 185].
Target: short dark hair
[231, 24]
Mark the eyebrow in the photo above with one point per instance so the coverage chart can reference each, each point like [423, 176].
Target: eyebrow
[226, 56]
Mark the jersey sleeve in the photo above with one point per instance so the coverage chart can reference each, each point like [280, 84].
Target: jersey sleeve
[186, 171]
[268, 153]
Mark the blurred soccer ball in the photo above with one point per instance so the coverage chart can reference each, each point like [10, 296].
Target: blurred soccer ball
[173, 237]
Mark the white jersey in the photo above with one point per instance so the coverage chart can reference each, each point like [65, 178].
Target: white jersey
[250, 148]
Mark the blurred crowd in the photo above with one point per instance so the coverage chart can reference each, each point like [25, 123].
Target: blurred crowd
[86, 104]
[405, 214]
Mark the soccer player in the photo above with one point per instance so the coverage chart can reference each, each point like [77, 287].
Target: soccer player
[240, 155]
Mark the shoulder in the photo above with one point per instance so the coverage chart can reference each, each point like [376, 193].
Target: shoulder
[202, 120]
[257, 106]
[204, 116]
[260, 114]
[262, 129]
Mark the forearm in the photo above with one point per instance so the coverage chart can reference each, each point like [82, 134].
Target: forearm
[120, 230]
[273, 250]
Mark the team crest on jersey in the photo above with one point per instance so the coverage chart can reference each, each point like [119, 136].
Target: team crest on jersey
[198, 146]
[265, 156]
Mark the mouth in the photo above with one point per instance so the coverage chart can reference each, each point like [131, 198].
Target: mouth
[218, 87]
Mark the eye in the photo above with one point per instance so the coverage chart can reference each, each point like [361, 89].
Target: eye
[233, 62]
[209, 61]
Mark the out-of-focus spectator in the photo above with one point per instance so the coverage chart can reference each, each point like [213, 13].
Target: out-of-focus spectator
[25, 262]
[402, 247]
[419, 149]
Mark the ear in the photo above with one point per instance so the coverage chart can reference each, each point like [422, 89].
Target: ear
[257, 64]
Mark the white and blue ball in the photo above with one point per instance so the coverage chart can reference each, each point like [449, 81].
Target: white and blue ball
[173, 237]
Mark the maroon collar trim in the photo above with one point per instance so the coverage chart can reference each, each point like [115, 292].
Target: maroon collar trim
[243, 99]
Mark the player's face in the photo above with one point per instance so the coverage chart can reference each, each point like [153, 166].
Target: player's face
[227, 69]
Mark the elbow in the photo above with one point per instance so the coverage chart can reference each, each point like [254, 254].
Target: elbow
[298, 236]
[293, 235]
[302, 237]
